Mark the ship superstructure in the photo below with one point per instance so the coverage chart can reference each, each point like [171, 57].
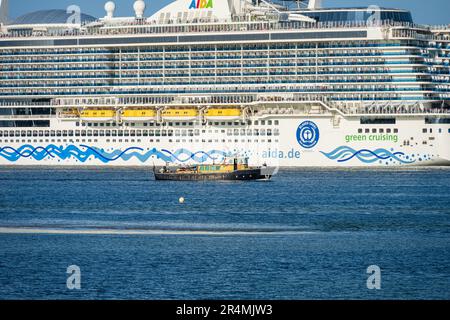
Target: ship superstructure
[281, 82]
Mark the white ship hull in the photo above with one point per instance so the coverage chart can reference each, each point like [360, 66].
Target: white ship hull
[342, 142]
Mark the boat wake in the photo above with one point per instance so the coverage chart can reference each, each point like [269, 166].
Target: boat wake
[152, 231]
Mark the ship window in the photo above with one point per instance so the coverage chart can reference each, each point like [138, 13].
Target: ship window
[360, 130]
[374, 130]
[367, 131]
[381, 130]
[269, 122]
[269, 132]
[395, 130]
[424, 130]
[276, 132]
[388, 130]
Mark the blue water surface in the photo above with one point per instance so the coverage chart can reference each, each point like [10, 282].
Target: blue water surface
[307, 234]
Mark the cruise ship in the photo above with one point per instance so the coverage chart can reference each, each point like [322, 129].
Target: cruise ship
[282, 83]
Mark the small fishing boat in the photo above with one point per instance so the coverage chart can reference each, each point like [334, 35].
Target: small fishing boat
[230, 169]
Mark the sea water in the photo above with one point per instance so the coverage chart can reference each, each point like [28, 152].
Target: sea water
[307, 234]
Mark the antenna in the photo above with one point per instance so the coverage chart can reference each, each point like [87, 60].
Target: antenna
[3, 11]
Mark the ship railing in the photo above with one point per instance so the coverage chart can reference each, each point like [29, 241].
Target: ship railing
[24, 103]
[439, 27]
[150, 27]
[28, 116]
[342, 107]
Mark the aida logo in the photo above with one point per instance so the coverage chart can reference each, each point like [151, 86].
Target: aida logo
[201, 4]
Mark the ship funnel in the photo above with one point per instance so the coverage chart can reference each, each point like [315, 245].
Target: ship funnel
[3, 11]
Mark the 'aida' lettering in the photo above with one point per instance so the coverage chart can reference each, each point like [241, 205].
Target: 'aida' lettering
[201, 4]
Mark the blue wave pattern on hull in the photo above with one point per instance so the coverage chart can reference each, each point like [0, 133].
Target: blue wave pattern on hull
[84, 152]
[345, 153]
